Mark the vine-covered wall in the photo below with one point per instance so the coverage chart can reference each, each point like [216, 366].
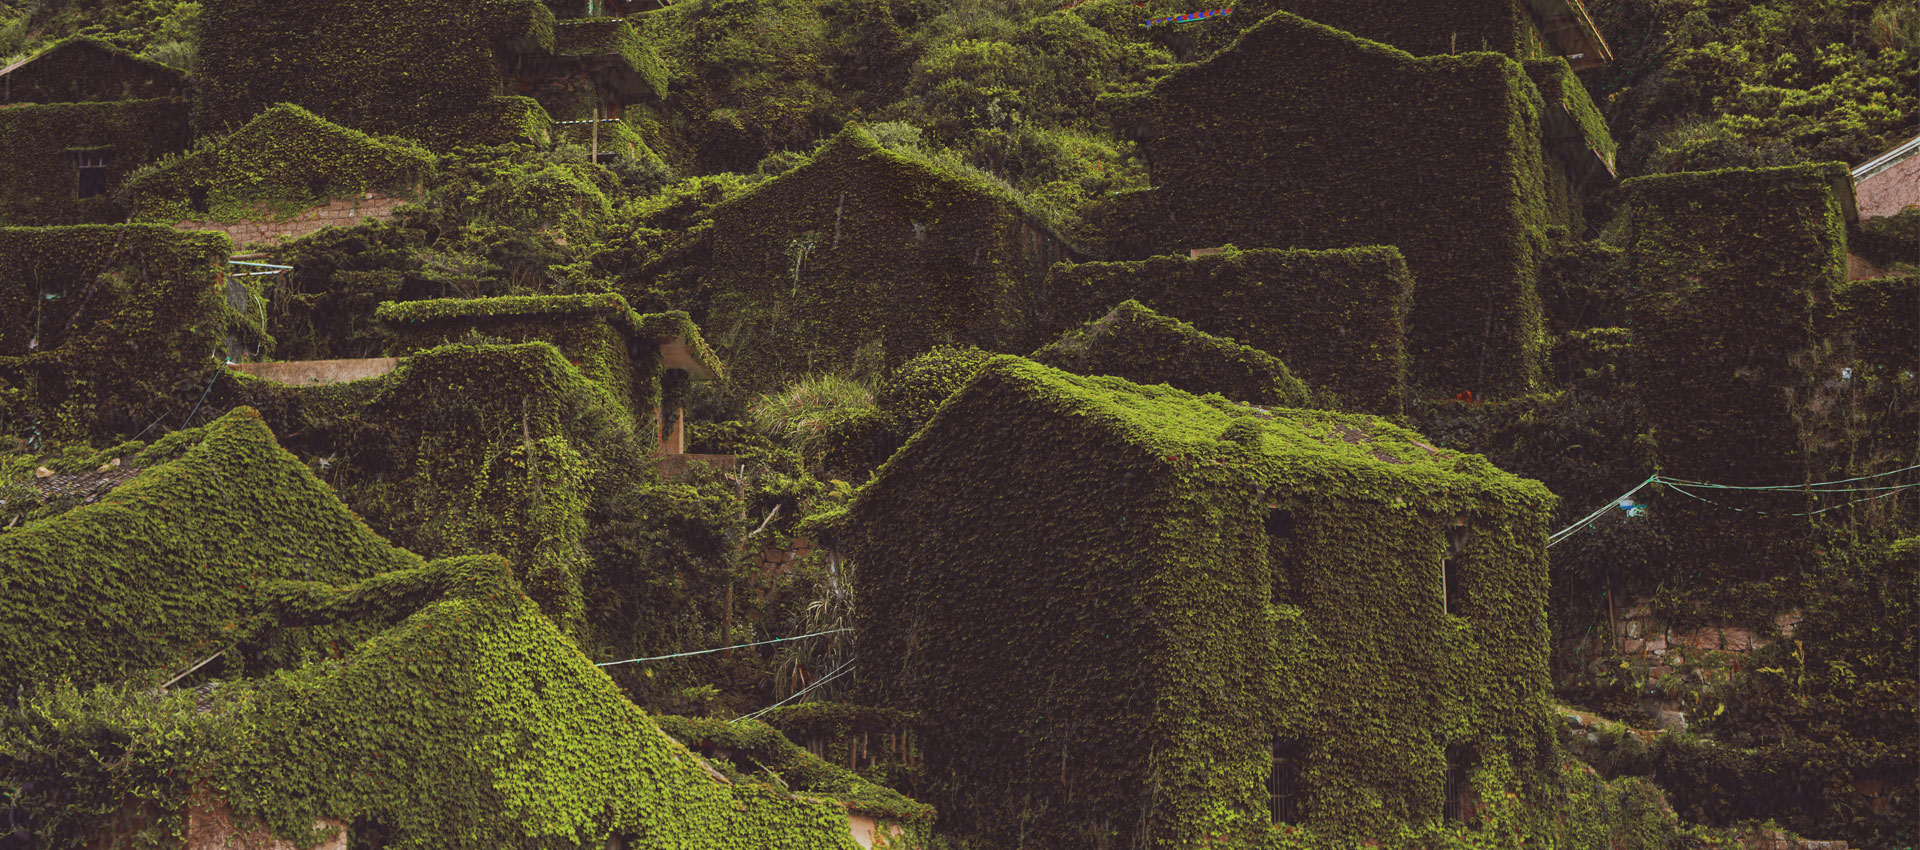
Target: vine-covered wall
[84, 69]
[98, 323]
[1122, 672]
[599, 334]
[1425, 28]
[41, 184]
[860, 246]
[1337, 318]
[1144, 347]
[285, 160]
[424, 69]
[165, 569]
[1731, 268]
[1302, 136]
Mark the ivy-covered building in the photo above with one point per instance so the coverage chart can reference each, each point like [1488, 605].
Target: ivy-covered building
[1301, 135]
[863, 247]
[645, 361]
[75, 119]
[100, 324]
[1181, 622]
[430, 71]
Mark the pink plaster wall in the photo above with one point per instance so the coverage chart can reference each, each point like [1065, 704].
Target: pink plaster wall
[1890, 191]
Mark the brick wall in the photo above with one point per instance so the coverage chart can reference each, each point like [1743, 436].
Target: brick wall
[340, 213]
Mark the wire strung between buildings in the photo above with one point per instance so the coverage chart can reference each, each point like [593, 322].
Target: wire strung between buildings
[1594, 517]
[720, 648]
[837, 671]
[1684, 486]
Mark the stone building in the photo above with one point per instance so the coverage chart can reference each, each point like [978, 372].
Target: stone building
[1173, 621]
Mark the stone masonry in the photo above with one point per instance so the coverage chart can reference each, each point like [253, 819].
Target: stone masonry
[344, 212]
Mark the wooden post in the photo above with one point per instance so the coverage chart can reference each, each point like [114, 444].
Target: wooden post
[595, 124]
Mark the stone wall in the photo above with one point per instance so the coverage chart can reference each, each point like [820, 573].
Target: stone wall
[344, 212]
[1660, 657]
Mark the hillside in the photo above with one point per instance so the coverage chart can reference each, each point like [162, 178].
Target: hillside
[994, 424]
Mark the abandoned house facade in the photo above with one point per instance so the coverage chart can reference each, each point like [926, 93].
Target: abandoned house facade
[1232, 617]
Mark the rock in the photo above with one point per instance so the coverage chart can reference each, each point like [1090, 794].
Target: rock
[1632, 646]
[43, 472]
[1671, 721]
[1657, 644]
[1659, 672]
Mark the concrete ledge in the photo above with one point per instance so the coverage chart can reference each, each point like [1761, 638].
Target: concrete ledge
[301, 373]
[675, 465]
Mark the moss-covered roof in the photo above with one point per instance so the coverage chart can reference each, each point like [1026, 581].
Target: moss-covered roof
[162, 569]
[84, 68]
[285, 157]
[1145, 347]
[635, 67]
[1389, 462]
[608, 307]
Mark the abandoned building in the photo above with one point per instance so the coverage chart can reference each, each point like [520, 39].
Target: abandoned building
[75, 119]
[1185, 647]
[796, 255]
[1505, 150]
[285, 174]
[644, 361]
[1338, 318]
[1145, 347]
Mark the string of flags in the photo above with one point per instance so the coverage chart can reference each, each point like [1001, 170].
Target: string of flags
[1190, 16]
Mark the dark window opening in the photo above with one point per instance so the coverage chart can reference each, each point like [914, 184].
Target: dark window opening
[1453, 595]
[606, 158]
[91, 166]
[319, 188]
[1460, 805]
[1289, 585]
[197, 199]
[1286, 785]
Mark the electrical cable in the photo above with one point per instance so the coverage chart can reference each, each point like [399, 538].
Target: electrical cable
[720, 649]
[802, 692]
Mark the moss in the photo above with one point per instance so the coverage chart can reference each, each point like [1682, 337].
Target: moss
[425, 71]
[86, 69]
[1189, 601]
[756, 750]
[1336, 318]
[609, 342]
[42, 183]
[1887, 242]
[1302, 136]
[615, 37]
[1424, 29]
[99, 323]
[791, 285]
[162, 570]
[1730, 267]
[473, 722]
[284, 160]
[1144, 347]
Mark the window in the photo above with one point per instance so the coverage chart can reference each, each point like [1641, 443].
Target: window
[1460, 805]
[91, 165]
[1289, 585]
[1286, 785]
[1453, 594]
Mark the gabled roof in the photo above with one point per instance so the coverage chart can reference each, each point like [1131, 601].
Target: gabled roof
[73, 71]
[1572, 32]
[1185, 431]
[1133, 342]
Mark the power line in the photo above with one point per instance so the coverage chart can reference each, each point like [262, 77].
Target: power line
[803, 691]
[1682, 486]
[720, 649]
